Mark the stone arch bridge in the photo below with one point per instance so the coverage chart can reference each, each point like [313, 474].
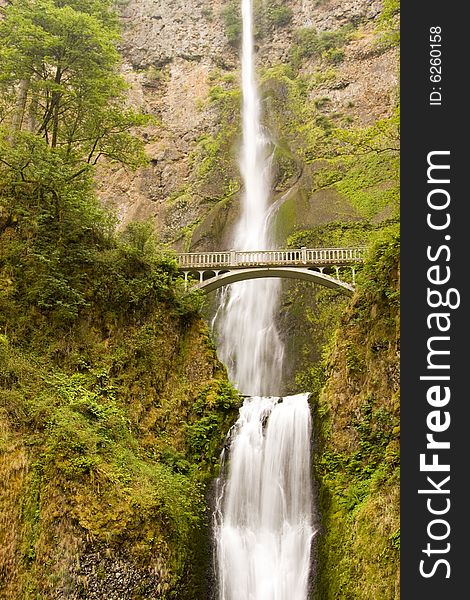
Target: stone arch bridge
[209, 271]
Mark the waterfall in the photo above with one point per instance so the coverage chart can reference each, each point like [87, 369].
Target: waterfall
[248, 340]
[263, 519]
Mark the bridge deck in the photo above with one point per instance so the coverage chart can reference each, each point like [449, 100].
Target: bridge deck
[235, 259]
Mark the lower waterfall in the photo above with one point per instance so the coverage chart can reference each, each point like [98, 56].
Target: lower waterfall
[264, 526]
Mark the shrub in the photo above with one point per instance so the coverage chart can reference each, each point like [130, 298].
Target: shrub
[279, 16]
[233, 23]
[309, 43]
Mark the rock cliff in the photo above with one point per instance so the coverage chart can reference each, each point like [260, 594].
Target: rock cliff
[181, 61]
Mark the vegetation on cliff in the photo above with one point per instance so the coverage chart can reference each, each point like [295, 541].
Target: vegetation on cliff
[113, 406]
[334, 153]
[356, 409]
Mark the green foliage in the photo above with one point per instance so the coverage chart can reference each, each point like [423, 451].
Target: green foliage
[389, 25]
[90, 443]
[89, 436]
[92, 320]
[101, 345]
[233, 22]
[363, 165]
[390, 9]
[59, 60]
[214, 405]
[371, 184]
[357, 417]
[84, 402]
[211, 157]
[293, 118]
[142, 274]
[278, 15]
[342, 234]
[326, 45]
[379, 277]
[60, 255]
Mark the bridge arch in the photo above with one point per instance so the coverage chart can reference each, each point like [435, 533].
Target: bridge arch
[305, 274]
[213, 270]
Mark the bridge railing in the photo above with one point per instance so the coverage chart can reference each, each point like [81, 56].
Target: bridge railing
[196, 260]
[300, 256]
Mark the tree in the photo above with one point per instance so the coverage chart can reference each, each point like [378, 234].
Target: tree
[62, 108]
[59, 61]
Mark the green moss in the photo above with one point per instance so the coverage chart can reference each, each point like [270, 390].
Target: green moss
[336, 234]
[371, 184]
[293, 119]
[362, 164]
[124, 457]
[388, 28]
[326, 45]
[357, 460]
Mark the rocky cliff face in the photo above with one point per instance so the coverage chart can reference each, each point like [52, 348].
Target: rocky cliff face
[170, 49]
[181, 59]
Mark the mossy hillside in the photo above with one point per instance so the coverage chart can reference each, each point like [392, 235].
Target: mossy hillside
[111, 452]
[347, 172]
[339, 168]
[357, 445]
[343, 182]
[113, 406]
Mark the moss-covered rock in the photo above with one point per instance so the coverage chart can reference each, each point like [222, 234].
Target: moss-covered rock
[106, 460]
[357, 446]
[113, 411]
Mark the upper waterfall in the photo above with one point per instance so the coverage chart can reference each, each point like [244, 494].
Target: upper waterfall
[248, 340]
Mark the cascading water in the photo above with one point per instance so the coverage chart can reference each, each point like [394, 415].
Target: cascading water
[264, 514]
[249, 342]
[263, 519]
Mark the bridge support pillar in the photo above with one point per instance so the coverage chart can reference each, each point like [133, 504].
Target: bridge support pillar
[303, 251]
[353, 275]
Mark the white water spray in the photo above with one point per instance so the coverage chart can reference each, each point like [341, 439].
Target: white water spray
[263, 518]
[249, 343]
